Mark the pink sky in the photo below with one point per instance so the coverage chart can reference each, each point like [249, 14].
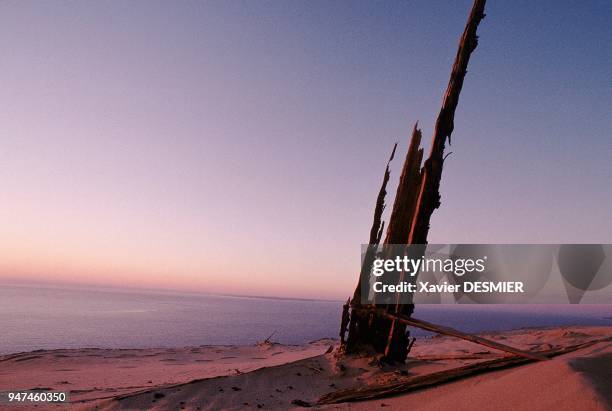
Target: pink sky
[238, 147]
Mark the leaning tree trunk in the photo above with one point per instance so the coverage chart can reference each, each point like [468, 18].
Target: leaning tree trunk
[416, 199]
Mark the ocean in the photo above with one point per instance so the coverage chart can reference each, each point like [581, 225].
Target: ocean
[34, 318]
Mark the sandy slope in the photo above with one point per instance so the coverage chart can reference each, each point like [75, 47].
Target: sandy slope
[91, 373]
[559, 384]
[253, 377]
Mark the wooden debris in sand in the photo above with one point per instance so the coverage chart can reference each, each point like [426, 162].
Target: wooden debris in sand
[413, 383]
[424, 325]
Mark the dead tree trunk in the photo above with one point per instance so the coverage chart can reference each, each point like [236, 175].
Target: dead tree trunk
[407, 192]
[354, 322]
[366, 329]
[429, 197]
[416, 198]
[400, 223]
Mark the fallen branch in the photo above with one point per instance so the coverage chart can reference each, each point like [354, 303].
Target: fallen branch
[422, 381]
[424, 325]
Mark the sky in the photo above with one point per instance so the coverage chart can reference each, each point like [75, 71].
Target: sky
[238, 146]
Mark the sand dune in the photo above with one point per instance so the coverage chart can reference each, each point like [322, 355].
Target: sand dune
[272, 376]
[92, 373]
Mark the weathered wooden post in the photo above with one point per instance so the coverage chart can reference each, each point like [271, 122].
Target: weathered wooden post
[416, 199]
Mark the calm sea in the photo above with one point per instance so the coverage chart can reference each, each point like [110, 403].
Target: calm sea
[47, 318]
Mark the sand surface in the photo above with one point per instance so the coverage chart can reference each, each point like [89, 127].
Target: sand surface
[273, 376]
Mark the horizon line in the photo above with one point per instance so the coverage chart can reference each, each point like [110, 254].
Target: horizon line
[149, 290]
